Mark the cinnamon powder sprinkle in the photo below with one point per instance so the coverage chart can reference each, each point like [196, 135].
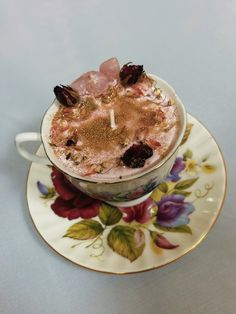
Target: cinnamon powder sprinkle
[98, 134]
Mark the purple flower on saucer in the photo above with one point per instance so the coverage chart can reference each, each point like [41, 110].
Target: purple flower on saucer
[176, 169]
[173, 211]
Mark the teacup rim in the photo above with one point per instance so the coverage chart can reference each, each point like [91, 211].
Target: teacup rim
[130, 177]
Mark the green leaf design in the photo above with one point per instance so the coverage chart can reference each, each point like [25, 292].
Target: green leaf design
[51, 193]
[185, 184]
[205, 159]
[181, 192]
[126, 241]
[153, 234]
[187, 155]
[109, 215]
[85, 229]
[163, 187]
[187, 133]
[182, 229]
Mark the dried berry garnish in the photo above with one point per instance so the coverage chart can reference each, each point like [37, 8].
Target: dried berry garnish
[70, 142]
[66, 95]
[136, 155]
[68, 156]
[130, 73]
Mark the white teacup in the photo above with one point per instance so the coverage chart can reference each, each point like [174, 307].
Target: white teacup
[128, 191]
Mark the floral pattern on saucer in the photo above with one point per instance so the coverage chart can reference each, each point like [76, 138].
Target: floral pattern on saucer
[159, 233]
[128, 230]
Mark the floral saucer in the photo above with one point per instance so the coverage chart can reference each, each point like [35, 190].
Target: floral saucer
[101, 237]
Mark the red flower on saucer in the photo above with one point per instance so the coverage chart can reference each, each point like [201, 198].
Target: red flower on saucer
[140, 213]
[71, 202]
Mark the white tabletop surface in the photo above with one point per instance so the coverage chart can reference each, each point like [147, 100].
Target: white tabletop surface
[192, 45]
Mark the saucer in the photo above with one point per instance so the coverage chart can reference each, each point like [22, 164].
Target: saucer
[171, 222]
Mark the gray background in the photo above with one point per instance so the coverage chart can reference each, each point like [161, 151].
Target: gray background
[191, 44]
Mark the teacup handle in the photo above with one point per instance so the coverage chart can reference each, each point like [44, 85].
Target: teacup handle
[30, 137]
